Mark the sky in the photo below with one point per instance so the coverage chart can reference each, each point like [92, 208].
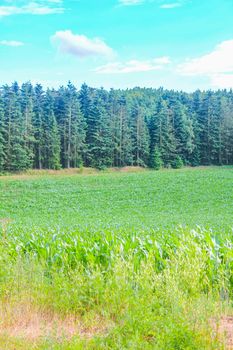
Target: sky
[177, 44]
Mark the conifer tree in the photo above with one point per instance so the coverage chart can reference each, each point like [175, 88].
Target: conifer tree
[51, 147]
[100, 128]
[26, 102]
[101, 140]
[140, 135]
[38, 125]
[2, 137]
[72, 127]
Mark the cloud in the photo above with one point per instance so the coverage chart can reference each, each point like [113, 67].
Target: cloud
[222, 81]
[171, 5]
[79, 45]
[163, 4]
[220, 60]
[39, 7]
[12, 43]
[130, 2]
[216, 65]
[133, 66]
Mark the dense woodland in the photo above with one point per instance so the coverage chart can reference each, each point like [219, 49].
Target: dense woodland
[66, 128]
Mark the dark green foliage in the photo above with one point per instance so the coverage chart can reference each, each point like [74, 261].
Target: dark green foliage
[51, 156]
[38, 124]
[2, 138]
[140, 135]
[156, 160]
[177, 163]
[26, 105]
[100, 146]
[96, 128]
[72, 126]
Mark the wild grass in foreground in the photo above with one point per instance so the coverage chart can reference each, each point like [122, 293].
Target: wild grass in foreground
[116, 261]
[117, 291]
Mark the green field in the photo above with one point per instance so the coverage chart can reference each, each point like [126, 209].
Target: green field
[134, 200]
[116, 260]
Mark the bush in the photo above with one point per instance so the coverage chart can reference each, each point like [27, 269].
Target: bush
[178, 163]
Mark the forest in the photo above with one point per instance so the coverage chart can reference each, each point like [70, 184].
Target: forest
[69, 128]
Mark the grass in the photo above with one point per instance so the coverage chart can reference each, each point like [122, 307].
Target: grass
[117, 260]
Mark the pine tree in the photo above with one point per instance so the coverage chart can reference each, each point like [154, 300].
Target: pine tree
[183, 132]
[94, 127]
[72, 127]
[27, 97]
[113, 111]
[140, 136]
[51, 147]
[162, 134]
[86, 100]
[156, 160]
[16, 154]
[226, 132]
[125, 156]
[2, 138]
[38, 126]
[101, 141]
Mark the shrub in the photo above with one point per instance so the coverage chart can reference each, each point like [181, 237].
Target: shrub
[178, 163]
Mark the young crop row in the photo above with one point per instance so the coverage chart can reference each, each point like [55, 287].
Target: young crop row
[64, 251]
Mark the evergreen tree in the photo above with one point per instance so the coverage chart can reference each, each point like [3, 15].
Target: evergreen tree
[51, 147]
[162, 134]
[183, 132]
[16, 153]
[94, 127]
[72, 127]
[86, 100]
[101, 140]
[2, 137]
[125, 156]
[26, 102]
[38, 126]
[156, 160]
[140, 136]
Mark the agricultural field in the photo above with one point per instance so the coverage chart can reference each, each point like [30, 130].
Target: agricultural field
[117, 260]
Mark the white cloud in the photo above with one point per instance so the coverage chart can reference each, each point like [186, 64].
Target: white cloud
[163, 4]
[130, 2]
[79, 45]
[171, 5]
[222, 81]
[55, 1]
[12, 43]
[162, 60]
[133, 66]
[33, 8]
[216, 65]
[220, 60]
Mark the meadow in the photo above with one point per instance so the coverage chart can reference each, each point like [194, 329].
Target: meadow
[117, 260]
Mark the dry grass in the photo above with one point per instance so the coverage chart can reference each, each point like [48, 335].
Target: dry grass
[70, 172]
[23, 321]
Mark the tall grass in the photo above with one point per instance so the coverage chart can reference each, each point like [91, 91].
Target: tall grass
[153, 290]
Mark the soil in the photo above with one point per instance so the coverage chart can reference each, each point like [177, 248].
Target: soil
[29, 324]
[223, 329]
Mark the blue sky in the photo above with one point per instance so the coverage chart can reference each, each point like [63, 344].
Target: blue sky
[178, 44]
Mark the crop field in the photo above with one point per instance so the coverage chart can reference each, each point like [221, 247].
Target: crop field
[117, 260]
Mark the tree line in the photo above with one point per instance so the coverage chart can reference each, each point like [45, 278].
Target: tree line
[67, 128]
